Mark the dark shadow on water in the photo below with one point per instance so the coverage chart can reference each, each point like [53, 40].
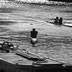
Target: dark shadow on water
[7, 10]
[67, 11]
[8, 67]
[6, 22]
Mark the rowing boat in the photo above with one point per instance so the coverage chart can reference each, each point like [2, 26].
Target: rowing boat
[66, 25]
[29, 55]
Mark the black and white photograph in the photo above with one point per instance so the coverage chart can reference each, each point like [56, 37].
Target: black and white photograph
[35, 35]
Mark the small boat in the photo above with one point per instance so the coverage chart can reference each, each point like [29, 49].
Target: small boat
[66, 25]
[29, 55]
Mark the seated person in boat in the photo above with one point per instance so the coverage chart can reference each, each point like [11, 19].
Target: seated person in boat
[61, 21]
[33, 36]
[56, 21]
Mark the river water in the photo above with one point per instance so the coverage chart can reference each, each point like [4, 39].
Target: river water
[54, 41]
[29, 16]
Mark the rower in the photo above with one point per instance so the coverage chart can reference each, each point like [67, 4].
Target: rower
[56, 21]
[60, 21]
[33, 36]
